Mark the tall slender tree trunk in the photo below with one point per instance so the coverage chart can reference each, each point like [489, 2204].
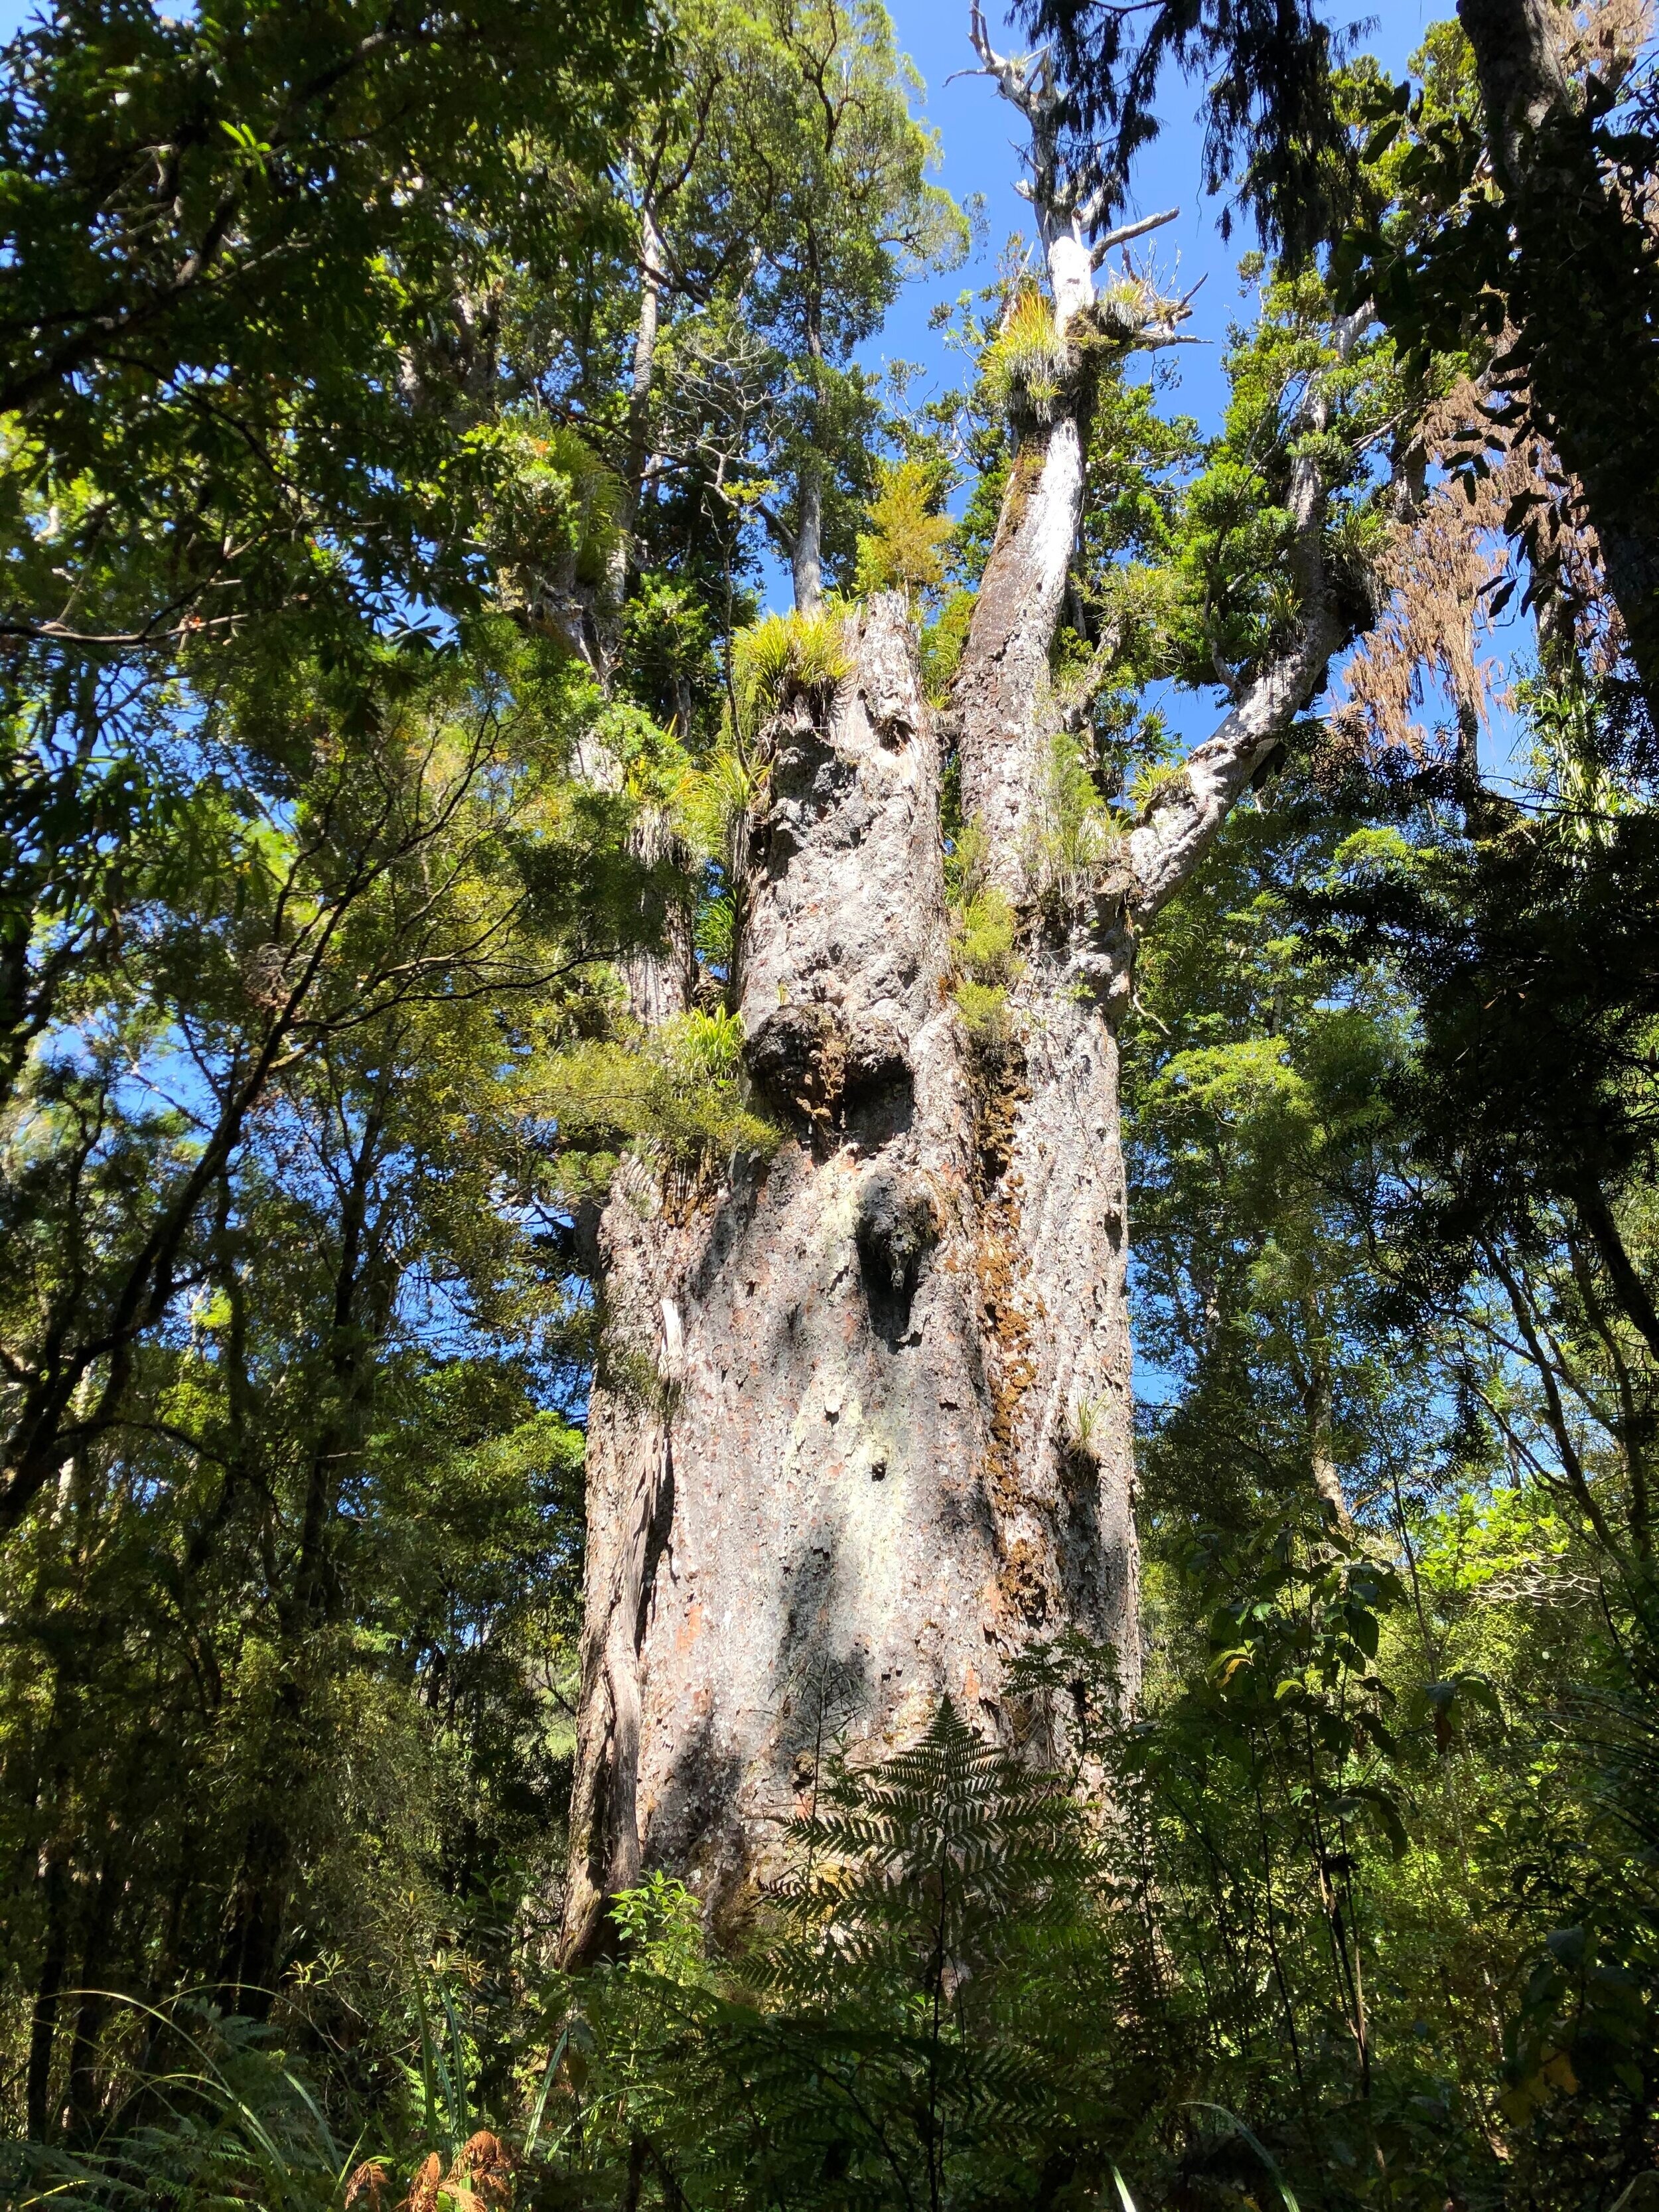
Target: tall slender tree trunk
[48, 1991]
[1583, 289]
[806, 559]
[658, 983]
[620, 566]
[1318, 1398]
[257, 1911]
[861, 1428]
[82, 2096]
[806, 556]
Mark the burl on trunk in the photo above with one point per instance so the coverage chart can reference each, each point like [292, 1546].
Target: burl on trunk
[861, 1427]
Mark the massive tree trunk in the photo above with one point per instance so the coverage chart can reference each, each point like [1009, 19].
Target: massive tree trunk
[861, 1430]
[831, 1474]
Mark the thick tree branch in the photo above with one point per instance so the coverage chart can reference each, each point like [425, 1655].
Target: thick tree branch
[1166, 847]
[1632, 1293]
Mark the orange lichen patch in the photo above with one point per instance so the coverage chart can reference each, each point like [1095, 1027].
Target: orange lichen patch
[1022, 480]
[1024, 1589]
[1023, 1584]
[692, 1193]
[1007, 1337]
[798, 1056]
[1000, 1089]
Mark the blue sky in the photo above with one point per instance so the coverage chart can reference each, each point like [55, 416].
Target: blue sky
[979, 135]
[980, 138]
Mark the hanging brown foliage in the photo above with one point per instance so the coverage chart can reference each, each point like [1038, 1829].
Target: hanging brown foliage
[1470, 490]
[1605, 37]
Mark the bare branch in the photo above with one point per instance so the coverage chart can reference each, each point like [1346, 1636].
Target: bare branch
[1126, 231]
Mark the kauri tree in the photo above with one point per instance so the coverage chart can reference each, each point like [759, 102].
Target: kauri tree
[861, 1431]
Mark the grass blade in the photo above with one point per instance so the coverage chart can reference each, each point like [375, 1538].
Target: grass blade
[542, 2094]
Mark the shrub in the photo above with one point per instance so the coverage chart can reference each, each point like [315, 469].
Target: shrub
[918, 2021]
[909, 538]
[984, 1011]
[1072, 834]
[222, 2118]
[985, 930]
[1026, 364]
[984, 937]
[942, 645]
[787, 657]
[558, 515]
[673, 1098]
[1154, 782]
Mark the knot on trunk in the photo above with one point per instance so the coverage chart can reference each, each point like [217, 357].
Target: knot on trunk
[892, 714]
[1102, 952]
[798, 1056]
[887, 680]
[876, 1059]
[814, 1060]
[898, 1225]
[808, 779]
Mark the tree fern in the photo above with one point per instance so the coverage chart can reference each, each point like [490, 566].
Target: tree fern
[922, 2021]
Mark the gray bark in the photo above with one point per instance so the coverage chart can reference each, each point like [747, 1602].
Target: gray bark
[831, 1463]
[861, 1428]
[1518, 61]
[806, 555]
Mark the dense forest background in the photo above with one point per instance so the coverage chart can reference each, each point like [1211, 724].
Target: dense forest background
[408, 416]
